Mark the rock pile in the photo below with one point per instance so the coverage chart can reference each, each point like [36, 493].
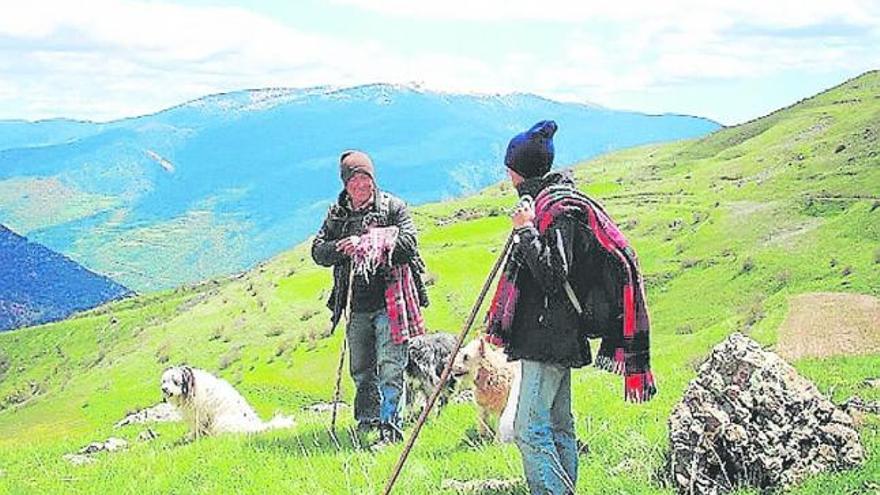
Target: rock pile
[86, 454]
[484, 486]
[160, 413]
[750, 419]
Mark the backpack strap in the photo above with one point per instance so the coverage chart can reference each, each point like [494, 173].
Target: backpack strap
[573, 298]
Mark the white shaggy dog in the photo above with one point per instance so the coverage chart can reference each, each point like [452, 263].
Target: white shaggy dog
[496, 383]
[211, 405]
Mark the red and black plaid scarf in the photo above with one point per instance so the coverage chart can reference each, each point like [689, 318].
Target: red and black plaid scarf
[401, 296]
[402, 305]
[625, 349]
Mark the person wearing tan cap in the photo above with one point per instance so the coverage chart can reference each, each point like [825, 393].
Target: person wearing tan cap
[369, 238]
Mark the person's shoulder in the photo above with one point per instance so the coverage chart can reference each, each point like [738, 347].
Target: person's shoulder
[335, 210]
[392, 201]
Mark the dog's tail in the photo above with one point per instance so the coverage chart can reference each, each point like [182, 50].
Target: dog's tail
[277, 422]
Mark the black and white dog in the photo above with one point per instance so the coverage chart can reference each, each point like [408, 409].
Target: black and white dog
[428, 355]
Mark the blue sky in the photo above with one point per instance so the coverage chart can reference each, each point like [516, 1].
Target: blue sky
[729, 61]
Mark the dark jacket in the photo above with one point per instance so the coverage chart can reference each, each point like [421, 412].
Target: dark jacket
[546, 326]
[341, 221]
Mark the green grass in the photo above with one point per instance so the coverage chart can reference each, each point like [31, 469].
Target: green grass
[727, 228]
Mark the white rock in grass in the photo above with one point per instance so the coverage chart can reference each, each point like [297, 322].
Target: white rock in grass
[111, 445]
[482, 486]
[79, 459]
[325, 407]
[160, 413]
[85, 454]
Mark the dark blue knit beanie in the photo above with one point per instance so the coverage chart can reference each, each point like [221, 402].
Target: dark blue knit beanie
[530, 154]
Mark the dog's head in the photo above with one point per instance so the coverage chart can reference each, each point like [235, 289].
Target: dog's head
[468, 359]
[178, 383]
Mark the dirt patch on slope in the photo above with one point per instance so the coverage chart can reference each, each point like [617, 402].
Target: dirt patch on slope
[830, 324]
[787, 235]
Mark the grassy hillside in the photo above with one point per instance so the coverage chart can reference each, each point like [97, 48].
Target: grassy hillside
[727, 227]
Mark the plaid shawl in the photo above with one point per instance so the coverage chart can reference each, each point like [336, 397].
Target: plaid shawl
[401, 296]
[625, 349]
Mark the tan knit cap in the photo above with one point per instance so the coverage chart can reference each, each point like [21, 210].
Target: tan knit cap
[353, 161]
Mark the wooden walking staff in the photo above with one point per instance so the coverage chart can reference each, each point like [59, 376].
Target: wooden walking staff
[346, 312]
[448, 369]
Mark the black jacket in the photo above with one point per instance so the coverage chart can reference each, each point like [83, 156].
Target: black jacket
[546, 326]
[341, 221]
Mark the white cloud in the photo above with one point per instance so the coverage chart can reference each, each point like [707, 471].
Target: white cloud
[119, 58]
[781, 13]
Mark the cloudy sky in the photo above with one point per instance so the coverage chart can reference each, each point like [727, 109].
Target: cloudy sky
[730, 61]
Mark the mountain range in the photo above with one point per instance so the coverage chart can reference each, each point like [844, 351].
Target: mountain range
[38, 285]
[213, 186]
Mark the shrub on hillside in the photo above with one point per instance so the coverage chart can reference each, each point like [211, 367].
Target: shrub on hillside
[284, 346]
[4, 365]
[752, 313]
[429, 278]
[685, 329]
[689, 263]
[308, 314]
[163, 353]
[782, 278]
[230, 357]
[748, 265]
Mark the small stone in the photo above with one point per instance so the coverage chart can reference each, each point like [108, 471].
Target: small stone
[147, 435]
[856, 403]
[111, 445]
[78, 459]
[481, 486]
[162, 412]
[92, 448]
[325, 407]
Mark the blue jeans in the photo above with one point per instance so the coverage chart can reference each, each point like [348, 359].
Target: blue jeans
[544, 428]
[377, 365]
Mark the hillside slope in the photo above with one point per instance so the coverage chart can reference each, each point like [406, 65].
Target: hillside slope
[727, 227]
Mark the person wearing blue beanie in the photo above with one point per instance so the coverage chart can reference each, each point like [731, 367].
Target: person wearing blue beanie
[530, 153]
[570, 275]
[543, 332]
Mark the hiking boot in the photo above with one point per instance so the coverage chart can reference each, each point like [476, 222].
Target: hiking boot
[388, 435]
[392, 433]
[582, 447]
[366, 432]
[366, 426]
